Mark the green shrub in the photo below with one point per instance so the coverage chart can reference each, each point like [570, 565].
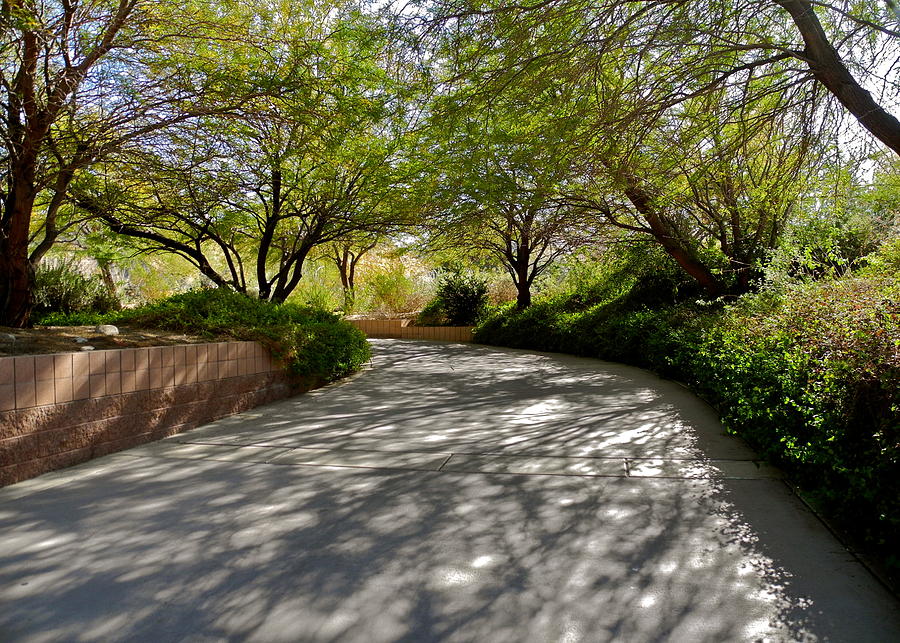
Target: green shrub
[61, 288]
[74, 319]
[391, 292]
[885, 261]
[432, 314]
[312, 343]
[458, 301]
[808, 376]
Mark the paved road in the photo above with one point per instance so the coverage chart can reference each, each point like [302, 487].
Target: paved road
[449, 493]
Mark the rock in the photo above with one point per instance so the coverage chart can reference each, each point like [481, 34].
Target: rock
[7, 337]
[107, 329]
[81, 340]
[87, 348]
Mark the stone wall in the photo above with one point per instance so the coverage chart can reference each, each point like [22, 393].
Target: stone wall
[58, 410]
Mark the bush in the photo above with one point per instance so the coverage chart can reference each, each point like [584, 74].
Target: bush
[432, 314]
[312, 343]
[459, 301]
[392, 292]
[61, 288]
[808, 376]
[885, 261]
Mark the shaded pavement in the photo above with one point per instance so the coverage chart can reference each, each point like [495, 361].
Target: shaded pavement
[450, 492]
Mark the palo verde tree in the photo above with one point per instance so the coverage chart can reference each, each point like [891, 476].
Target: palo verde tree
[848, 49]
[711, 176]
[246, 200]
[714, 187]
[80, 81]
[345, 254]
[497, 186]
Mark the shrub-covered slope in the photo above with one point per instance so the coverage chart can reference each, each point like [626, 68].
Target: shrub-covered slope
[312, 343]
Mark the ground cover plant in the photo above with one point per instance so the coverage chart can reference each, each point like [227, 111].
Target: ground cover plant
[313, 344]
[806, 373]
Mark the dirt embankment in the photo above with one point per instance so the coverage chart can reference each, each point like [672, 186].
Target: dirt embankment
[62, 339]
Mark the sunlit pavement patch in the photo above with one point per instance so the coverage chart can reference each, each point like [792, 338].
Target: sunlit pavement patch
[223, 453]
[727, 469]
[365, 459]
[463, 463]
[535, 465]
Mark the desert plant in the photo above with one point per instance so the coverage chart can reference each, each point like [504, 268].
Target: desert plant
[392, 291]
[60, 287]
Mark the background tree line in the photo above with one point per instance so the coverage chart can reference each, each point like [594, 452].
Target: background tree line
[248, 138]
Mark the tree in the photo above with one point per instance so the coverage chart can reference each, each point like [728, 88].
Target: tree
[708, 164]
[39, 77]
[246, 200]
[346, 254]
[706, 45]
[80, 80]
[498, 185]
[825, 63]
[713, 187]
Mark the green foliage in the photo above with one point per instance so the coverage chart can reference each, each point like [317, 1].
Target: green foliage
[459, 301]
[75, 319]
[821, 247]
[808, 376]
[885, 261]
[391, 291]
[317, 293]
[61, 288]
[432, 314]
[312, 343]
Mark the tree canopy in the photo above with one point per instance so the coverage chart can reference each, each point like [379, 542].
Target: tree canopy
[245, 137]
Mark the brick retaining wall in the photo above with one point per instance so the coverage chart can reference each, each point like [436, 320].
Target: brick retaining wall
[400, 329]
[62, 409]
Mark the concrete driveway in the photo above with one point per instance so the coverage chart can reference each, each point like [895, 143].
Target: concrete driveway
[449, 493]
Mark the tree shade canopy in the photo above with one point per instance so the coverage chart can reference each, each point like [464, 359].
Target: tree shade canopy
[248, 138]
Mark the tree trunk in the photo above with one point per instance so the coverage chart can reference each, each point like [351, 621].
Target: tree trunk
[522, 277]
[16, 272]
[681, 253]
[15, 287]
[828, 68]
[343, 264]
[523, 295]
[106, 276]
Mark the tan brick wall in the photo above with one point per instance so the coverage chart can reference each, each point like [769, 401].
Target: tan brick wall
[439, 333]
[399, 329]
[57, 410]
[380, 328]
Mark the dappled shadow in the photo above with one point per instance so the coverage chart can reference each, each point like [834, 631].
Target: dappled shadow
[465, 399]
[140, 546]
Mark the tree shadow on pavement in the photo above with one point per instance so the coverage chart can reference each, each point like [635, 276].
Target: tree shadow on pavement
[141, 546]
